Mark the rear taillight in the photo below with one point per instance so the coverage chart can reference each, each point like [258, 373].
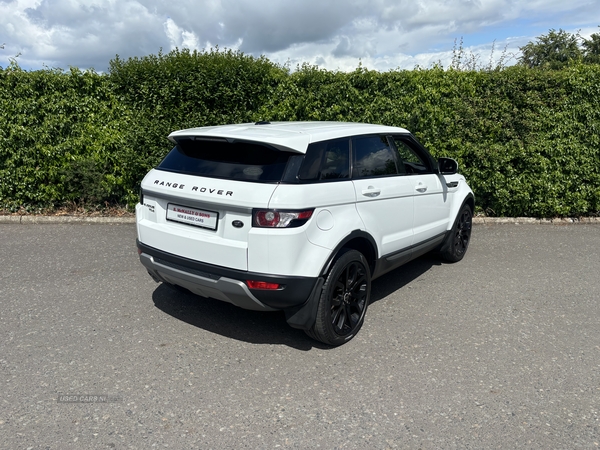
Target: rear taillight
[271, 218]
[263, 285]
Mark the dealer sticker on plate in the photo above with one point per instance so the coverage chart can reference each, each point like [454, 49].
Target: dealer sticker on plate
[192, 216]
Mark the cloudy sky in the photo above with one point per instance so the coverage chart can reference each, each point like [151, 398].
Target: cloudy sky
[333, 34]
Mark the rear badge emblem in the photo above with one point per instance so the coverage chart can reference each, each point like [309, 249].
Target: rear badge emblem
[237, 223]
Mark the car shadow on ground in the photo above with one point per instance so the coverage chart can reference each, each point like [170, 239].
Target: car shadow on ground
[268, 327]
[222, 318]
[400, 277]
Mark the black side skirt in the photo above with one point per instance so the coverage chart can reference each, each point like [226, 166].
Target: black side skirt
[394, 260]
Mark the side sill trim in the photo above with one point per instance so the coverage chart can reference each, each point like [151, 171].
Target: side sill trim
[394, 260]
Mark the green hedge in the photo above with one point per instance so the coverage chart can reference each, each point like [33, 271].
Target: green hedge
[184, 89]
[527, 140]
[63, 139]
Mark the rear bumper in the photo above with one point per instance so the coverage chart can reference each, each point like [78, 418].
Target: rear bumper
[225, 284]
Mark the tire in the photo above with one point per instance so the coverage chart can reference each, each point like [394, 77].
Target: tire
[344, 300]
[458, 240]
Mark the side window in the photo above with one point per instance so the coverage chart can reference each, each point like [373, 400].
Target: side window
[327, 160]
[412, 161]
[372, 157]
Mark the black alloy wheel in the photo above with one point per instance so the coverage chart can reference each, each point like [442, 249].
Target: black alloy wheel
[344, 300]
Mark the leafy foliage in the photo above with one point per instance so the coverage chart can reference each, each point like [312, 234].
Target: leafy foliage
[527, 140]
[183, 89]
[551, 51]
[557, 49]
[591, 49]
[52, 121]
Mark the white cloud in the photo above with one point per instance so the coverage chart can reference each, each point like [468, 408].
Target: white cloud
[180, 38]
[335, 34]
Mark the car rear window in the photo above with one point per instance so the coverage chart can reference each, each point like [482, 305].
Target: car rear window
[218, 158]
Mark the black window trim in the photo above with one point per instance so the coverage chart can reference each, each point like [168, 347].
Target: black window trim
[408, 138]
[291, 171]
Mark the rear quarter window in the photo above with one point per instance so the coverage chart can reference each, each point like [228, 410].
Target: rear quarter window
[215, 158]
[326, 160]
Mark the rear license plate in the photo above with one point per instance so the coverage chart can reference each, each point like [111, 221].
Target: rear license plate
[192, 216]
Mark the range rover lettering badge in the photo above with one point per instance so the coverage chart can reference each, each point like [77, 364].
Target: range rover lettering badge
[237, 223]
[212, 191]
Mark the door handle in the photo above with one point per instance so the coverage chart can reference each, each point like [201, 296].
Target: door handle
[421, 187]
[371, 192]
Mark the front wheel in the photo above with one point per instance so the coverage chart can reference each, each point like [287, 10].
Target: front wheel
[344, 300]
[459, 237]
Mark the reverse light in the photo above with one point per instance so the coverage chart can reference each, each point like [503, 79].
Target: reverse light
[271, 218]
[264, 285]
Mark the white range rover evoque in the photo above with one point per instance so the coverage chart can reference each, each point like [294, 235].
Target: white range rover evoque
[298, 216]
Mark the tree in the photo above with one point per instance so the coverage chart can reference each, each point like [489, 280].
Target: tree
[591, 49]
[551, 51]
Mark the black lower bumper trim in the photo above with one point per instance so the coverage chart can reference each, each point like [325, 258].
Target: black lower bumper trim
[295, 291]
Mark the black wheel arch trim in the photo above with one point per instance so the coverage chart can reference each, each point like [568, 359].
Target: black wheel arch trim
[470, 200]
[356, 234]
[303, 317]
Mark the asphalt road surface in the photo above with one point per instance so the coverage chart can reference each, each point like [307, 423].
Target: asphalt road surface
[501, 350]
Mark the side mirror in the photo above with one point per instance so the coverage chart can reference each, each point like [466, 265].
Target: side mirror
[447, 166]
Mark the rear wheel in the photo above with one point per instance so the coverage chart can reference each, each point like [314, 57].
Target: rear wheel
[344, 300]
[460, 236]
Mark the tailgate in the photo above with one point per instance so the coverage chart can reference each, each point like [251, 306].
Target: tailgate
[203, 219]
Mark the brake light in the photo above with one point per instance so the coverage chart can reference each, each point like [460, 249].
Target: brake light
[264, 285]
[270, 218]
